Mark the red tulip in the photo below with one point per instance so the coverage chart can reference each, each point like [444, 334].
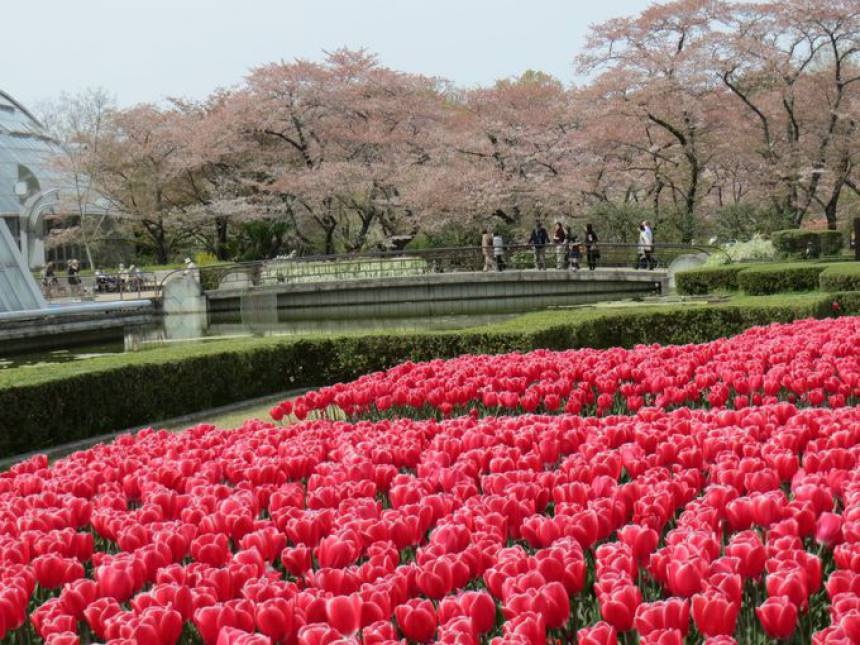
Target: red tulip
[850, 625]
[663, 637]
[436, 578]
[53, 571]
[296, 560]
[641, 539]
[378, 633]
[233, 636]
[828, 529]
[321, 634]
[211, 548]
[600, 633]
[277, 618]
[119, 579]
[530, 627]
[335, 551]
[211, 620]
[344, 613]
[778, 617]
[672, 613]
[747, 547]
[618, 607]
[684, 578]
[63, 638]
[417, 619]
[791, 583]
[99, 612]
[714, 614]
[77, 596]
[477, 605]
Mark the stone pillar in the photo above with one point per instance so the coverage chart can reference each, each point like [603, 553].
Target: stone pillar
[181, 294]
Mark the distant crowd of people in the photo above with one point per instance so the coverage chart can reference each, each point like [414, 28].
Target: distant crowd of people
[124, 280]
[569, 250]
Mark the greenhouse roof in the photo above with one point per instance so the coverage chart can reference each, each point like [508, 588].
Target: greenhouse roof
[25, 152]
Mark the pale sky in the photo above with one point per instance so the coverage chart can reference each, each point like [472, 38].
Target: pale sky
[146, 50]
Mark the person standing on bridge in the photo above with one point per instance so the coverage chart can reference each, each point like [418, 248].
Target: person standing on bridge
[487, 249]
[575, 249]
[538, 241]
[646, 246]
[591, 249]
[499, 251]
[559, 238]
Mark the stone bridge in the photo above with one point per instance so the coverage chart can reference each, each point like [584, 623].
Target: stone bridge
[459, 293]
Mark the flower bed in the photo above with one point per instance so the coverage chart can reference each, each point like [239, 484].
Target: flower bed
[798, 361]
[733, 518]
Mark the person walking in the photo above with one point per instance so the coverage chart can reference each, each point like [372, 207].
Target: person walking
[650, 256]
[591, 248]
[487, 249]
[49, 280]
[640, 247]
[538, 241]
[72, 270]
[499, 251]
[559, 238]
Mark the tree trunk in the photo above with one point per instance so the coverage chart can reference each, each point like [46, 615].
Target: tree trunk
[221, 251]
[329, 241]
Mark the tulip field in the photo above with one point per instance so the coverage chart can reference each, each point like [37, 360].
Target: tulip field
[660, 495]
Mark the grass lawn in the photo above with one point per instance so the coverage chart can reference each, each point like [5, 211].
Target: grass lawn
[230, 420]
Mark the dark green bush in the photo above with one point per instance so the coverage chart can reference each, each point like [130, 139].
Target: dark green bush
[793, 242]
[840, 277]
[778, 278]
[709, 279]
[101, 395]
[847, 303]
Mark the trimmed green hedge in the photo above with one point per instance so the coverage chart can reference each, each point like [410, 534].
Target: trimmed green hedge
[793, 242]
[779, 278]
[696, 282]
[840, 277]
[43, 408]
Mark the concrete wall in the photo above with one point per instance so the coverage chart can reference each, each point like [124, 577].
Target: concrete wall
[441, 294]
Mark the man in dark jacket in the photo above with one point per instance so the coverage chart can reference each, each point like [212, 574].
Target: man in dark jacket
[538, 240]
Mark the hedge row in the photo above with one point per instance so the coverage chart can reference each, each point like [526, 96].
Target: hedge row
[794, 243]
[110, 393]
[840, 277]
[770, 278]
[780, 278]
[697, 282]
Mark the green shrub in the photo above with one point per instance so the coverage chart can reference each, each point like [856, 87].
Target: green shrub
[780, 277]
[73, 401]
[847, 303]
[840, 277]
[680, 324]
[709, 279]
[793, 243]
[756, 249]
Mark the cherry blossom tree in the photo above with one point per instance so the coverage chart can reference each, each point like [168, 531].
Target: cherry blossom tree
[793, 67]
[652, 74]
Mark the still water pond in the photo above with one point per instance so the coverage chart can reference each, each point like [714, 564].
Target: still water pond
[199, 327]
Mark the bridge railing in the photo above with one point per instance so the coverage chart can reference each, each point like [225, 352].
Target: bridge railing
[313, 269]
[101, 286]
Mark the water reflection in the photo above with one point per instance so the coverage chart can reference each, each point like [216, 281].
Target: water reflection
[180, 328]
[228, 324]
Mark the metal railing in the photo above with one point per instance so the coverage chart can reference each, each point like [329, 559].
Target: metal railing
[406, 263]
[101, 286]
